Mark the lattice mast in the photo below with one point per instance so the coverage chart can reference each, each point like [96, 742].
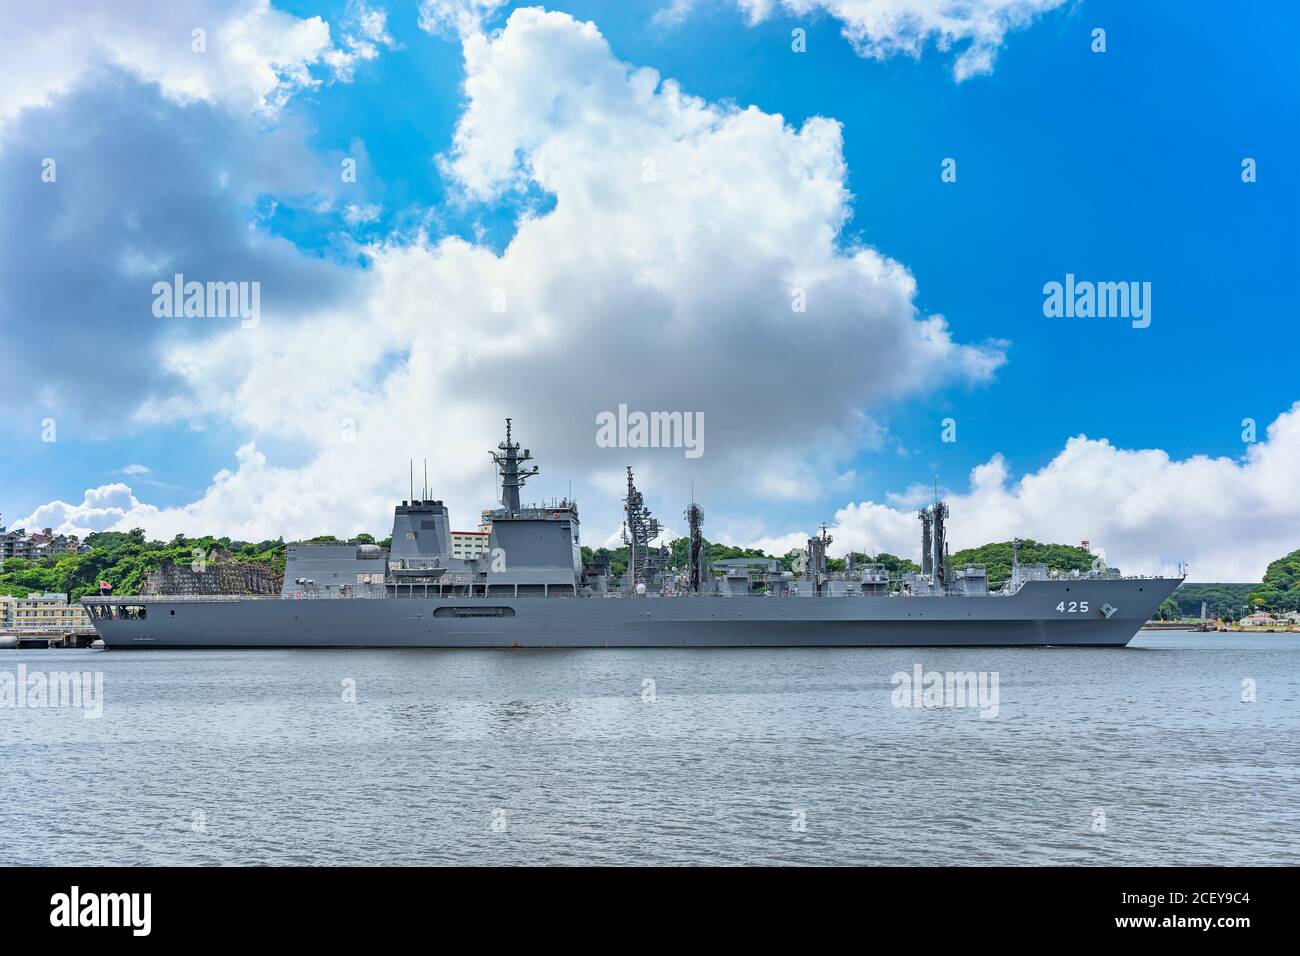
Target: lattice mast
[695, 554]
[639, 529]
[508, 461]
[927, 542]
[817, 567]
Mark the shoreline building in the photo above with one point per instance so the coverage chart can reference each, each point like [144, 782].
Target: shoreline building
[42, 612]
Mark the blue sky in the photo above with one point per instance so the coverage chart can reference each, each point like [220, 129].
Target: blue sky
[1116, 166]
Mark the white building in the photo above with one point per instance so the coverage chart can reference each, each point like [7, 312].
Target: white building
[42, 612]
[1258, 619]
[467, 545]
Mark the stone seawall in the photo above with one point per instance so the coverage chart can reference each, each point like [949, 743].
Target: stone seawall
[220, 577]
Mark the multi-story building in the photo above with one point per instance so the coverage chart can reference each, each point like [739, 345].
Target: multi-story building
[16, 544]
[42, 612]
[46, 542]
[467, 545]
[19, 544]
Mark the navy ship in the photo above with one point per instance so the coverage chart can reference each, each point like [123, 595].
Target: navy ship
[529, 587]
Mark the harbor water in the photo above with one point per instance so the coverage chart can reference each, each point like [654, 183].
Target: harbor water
[1181, 749]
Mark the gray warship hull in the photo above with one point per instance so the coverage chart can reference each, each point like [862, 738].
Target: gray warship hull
[1059, 612]
[531, 588]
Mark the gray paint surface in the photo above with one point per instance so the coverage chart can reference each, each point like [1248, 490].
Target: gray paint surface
[539, 549]
[1028, 617]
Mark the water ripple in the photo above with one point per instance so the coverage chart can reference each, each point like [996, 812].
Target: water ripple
[734, 757]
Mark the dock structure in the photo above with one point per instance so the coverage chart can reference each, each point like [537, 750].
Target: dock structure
[43, 620]
[29, 637]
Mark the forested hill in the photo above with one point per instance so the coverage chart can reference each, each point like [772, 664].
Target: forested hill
[1280, 590]
[124, 559]
[1221, 600]
[996, 558]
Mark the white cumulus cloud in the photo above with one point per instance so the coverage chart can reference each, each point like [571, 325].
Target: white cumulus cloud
[680, 255]
[1145, 511]
[456, 17]
[884, 28]
[248, 56]
[100, 509]
[665, 276]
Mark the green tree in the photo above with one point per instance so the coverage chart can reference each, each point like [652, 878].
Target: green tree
[1280, 589]
[125, 560]
[997, 557]
[1219, 598]
[896, 565]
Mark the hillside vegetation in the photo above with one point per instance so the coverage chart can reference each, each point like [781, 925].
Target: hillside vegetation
[996, 558]
[1280, 589]
[1221, 600]
[124, 559]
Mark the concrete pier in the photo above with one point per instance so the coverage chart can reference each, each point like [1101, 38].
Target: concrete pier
[27, 639]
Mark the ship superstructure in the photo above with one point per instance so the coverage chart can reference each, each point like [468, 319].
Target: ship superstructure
[531, 588]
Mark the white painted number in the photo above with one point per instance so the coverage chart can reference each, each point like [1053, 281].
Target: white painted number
[1074, 607]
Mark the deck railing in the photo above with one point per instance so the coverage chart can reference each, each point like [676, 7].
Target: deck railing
[405, 592]
[46, 628]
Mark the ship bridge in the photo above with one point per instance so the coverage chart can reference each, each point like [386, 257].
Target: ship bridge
[532, 550]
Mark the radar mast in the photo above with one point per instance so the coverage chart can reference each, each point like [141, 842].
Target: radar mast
[513, 477]
[695, 549]
[639, 529]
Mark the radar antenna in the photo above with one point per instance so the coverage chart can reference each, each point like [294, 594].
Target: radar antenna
[927, 542]
[695, 549]
[816, 551]
[512, 476]
[639, 530]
